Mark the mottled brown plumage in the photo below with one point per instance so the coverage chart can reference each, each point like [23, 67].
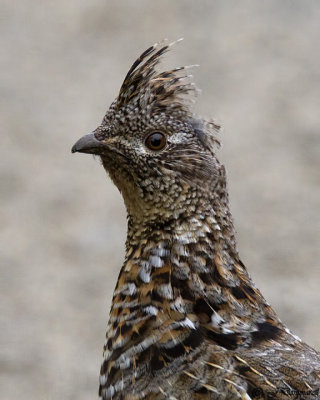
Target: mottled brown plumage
[186, 321]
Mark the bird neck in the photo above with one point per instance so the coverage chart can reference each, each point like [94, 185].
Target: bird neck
[189, 265]
[177, 249]
[190, 212]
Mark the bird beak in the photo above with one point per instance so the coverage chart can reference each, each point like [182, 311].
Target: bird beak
[88, 144]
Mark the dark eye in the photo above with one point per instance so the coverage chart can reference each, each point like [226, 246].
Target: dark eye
[156, 141]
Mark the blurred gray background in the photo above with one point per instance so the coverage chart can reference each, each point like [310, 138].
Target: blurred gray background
[62, 221]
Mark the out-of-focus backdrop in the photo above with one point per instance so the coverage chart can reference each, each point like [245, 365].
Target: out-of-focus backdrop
[63, 223]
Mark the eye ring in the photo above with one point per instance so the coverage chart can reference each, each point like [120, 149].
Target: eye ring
[156, 141]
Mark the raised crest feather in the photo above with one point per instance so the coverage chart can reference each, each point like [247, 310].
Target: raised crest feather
[144, 84]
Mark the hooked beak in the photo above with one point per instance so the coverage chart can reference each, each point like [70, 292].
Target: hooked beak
[88, 144]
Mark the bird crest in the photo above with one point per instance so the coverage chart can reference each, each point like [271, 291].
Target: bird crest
[144, 86]
[171, 92]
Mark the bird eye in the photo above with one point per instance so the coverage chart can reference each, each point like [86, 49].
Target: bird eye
[156, 141]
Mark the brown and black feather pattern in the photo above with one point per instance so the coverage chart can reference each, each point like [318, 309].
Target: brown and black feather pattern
[186, 320]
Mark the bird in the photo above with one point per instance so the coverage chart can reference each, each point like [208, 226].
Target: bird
[186, 321]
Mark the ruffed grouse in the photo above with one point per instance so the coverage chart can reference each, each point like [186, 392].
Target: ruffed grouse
[186, 321]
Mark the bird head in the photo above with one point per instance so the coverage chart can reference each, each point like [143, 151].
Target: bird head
[156, 151]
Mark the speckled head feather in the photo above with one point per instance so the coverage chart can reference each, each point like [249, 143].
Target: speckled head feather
[150, 101]
[155, 93]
